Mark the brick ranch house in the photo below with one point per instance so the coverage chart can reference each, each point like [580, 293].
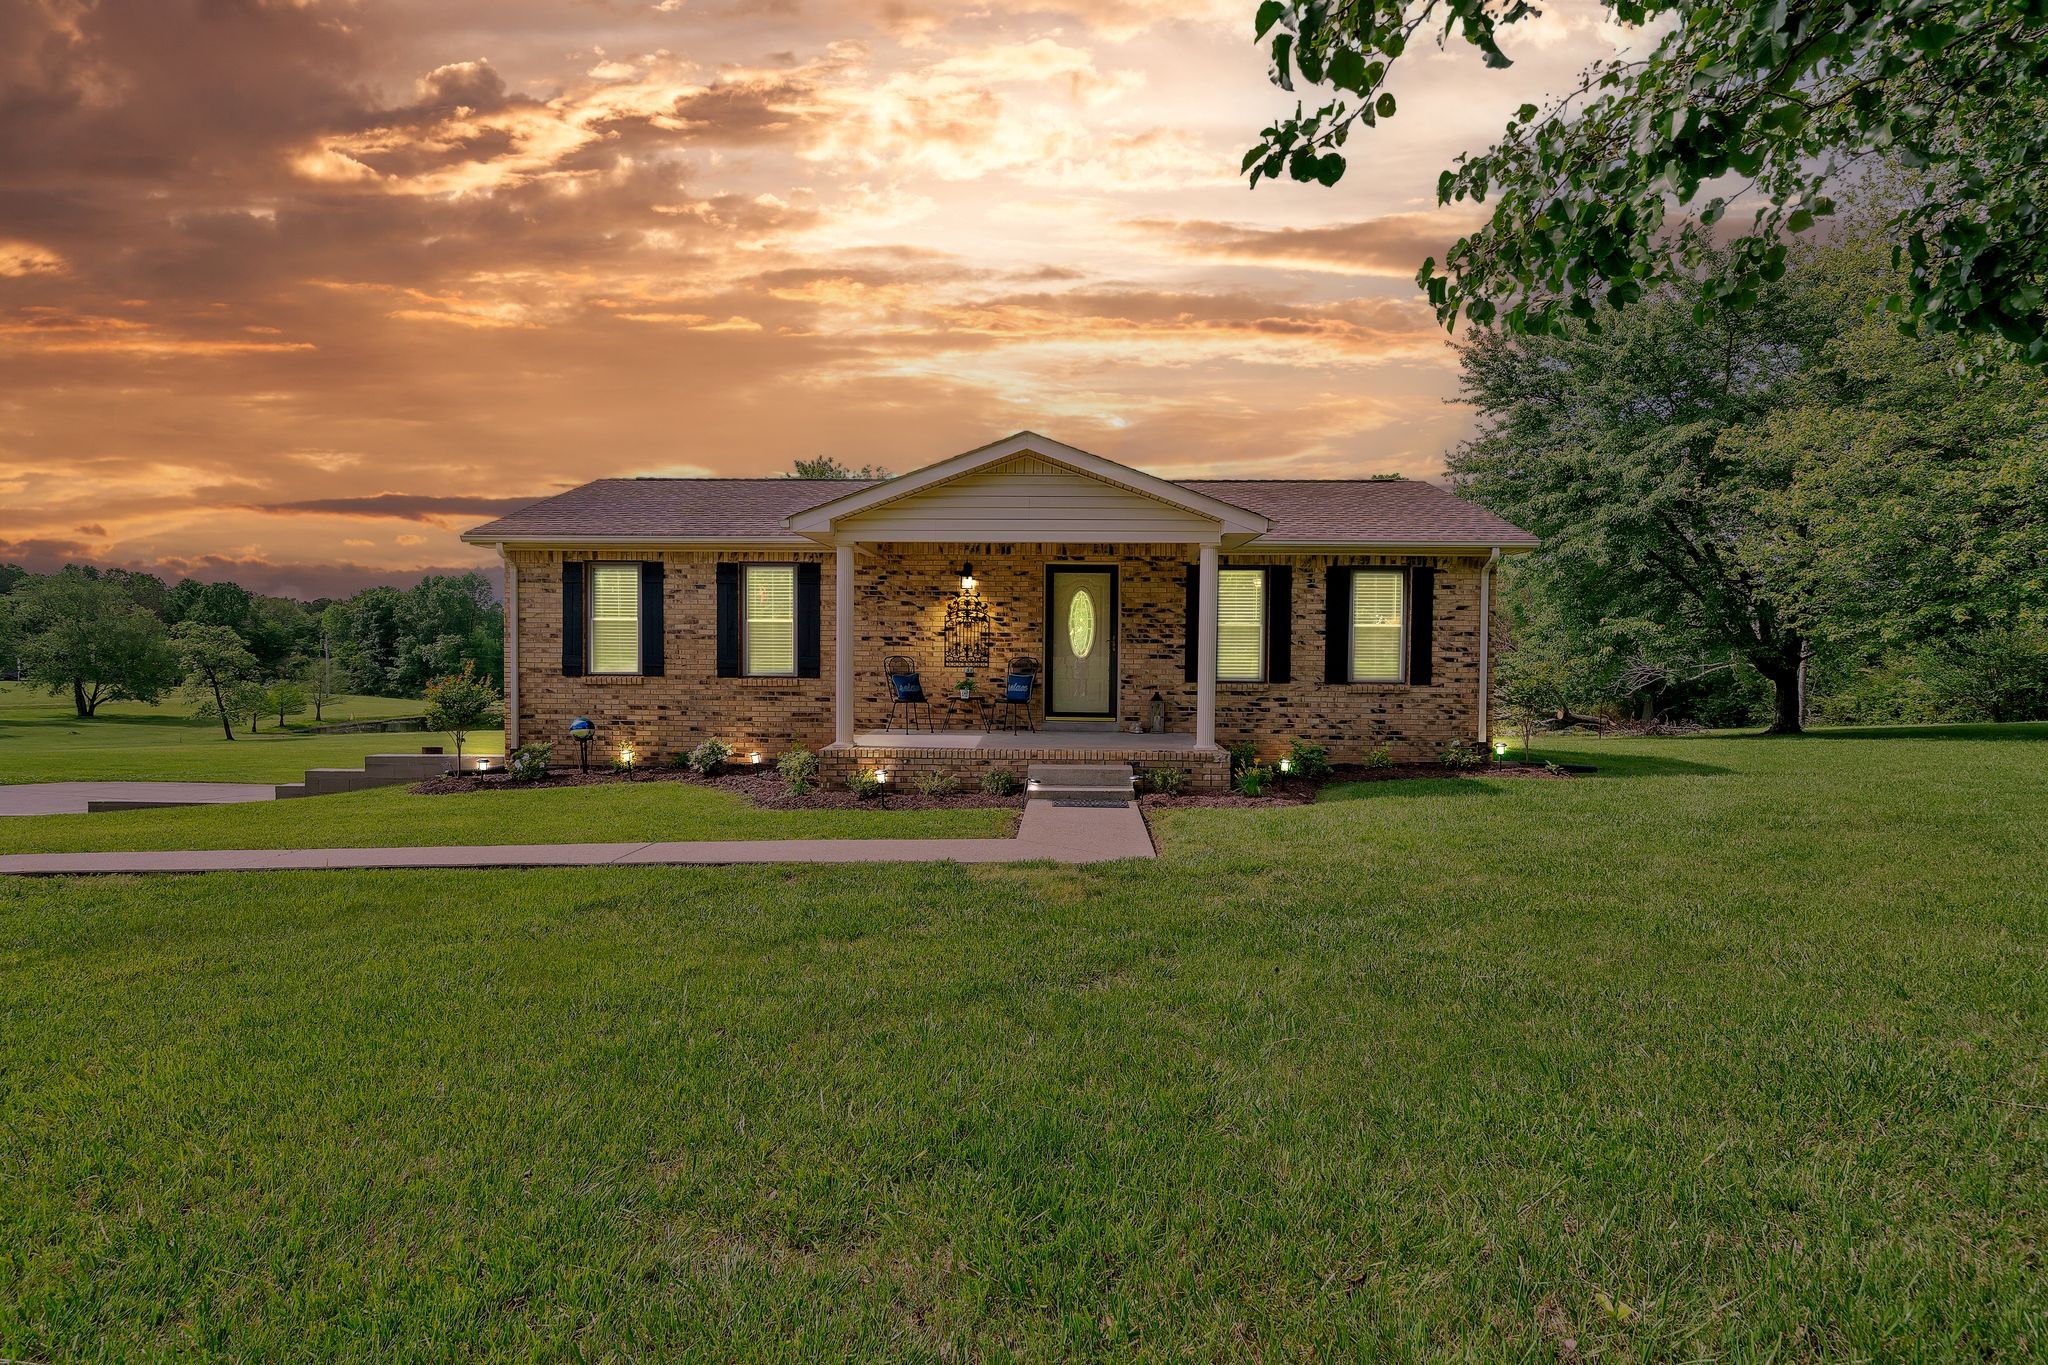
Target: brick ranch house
[760, 612]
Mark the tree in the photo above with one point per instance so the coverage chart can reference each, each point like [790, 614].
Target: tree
[459, 703]
[1783, 102]
[83, 633]
[318, 673]
[218, 667]
[827, 467]
[286, 698]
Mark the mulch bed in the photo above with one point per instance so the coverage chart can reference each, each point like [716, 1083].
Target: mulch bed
[1295, 791]
[763, 788]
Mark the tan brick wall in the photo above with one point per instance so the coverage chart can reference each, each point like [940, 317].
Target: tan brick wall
[901, 608]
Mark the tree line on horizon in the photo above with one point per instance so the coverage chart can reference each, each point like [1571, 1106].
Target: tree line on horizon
[101, 635]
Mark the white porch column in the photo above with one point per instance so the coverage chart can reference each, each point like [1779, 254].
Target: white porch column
[1205, 653]
[842, 635]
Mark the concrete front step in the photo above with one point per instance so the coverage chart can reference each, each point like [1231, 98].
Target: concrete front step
[1053, 780]
[286, 790]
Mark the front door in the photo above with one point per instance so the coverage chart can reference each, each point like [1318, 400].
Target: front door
[1080, 640]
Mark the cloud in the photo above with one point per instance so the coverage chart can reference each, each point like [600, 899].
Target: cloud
[1393, 246]
[396, 506]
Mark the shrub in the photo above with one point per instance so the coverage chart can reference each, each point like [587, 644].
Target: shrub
[1379, 757]
[1308, 761]
[799, 769]
[461, 702]
[865, 783]
[999, 782]
[708, 757]
[529, 762]
[1242, 756]
[937, 784]
[1168, 781]
[1254, 779]
[1465, 754]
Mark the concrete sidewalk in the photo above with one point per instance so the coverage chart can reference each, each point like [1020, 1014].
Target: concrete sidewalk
[1061, 834]
[73, 798]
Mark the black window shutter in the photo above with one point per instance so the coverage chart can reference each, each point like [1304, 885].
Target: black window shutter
[575, 613]
[1279, 623]
[728, 620]
[1337, 624]
[1421, 622]
[808, 612]
[653, 660]
[1192, 626]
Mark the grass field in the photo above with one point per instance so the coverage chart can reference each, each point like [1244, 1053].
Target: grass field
[1734, 1050]
[43, 740]
[393, 817]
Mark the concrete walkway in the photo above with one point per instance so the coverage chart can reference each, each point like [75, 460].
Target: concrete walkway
[72, 798]
[1061, 834]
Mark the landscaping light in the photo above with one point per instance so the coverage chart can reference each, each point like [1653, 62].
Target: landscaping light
[1286, 765]
[483, 765]
[626, 755]
[754, 757]
[881, 774]
[1500, 748]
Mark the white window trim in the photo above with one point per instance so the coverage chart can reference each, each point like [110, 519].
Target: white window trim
[747, 669]
[1265, 672]
[1407, 582]
[591, 571]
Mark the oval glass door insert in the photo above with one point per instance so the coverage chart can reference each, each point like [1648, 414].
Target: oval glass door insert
[1081, 624]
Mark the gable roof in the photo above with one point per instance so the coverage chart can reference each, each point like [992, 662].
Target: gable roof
[1232, 519]
[1329, 513]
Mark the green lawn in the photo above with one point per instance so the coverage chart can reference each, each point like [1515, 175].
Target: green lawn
[394, 817]
[43, 740]
[1744, 1037]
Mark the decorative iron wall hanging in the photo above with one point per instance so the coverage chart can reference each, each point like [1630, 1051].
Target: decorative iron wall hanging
[967, 625]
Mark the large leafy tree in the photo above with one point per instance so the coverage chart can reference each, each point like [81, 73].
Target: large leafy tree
[1738, 121]
[83, 634]
[220, 672]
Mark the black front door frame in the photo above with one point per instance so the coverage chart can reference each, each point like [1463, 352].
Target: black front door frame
[1114, 628]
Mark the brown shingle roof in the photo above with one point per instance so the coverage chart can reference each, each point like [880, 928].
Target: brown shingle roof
[1314, 511]
[1371, 511]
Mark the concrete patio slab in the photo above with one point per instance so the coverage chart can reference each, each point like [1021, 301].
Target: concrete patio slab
[76, 798]
[1046, 833]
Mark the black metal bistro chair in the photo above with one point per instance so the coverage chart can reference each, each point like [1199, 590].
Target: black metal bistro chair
[906, 692]
[1017, 692]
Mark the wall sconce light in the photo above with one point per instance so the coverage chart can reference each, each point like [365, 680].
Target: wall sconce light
[966, 577]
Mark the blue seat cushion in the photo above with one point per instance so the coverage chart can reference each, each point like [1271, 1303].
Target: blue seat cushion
[1020, 687]
[908, 686]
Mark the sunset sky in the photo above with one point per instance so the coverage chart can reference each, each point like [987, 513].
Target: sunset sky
[292, 292]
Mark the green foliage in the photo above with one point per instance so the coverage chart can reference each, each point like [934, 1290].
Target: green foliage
[283, 699]
[1379, 756]
[1620, 185]
[827, 467]
[865, 783]
[461, 702]
[1254, 778]
[529, 762]
[218, 669]
[999, 782]
[799, 769]
[1243, 754]
[83, 635]
[1465, 755]
[1167, 779]
[707, 758]
[390, 641]
[937, 784]
[1998, 673]
[1310, 762]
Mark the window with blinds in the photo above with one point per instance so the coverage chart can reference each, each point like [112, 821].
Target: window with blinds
[769, 620]
[1376, 604]
[1241, 625]
[614, 618]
